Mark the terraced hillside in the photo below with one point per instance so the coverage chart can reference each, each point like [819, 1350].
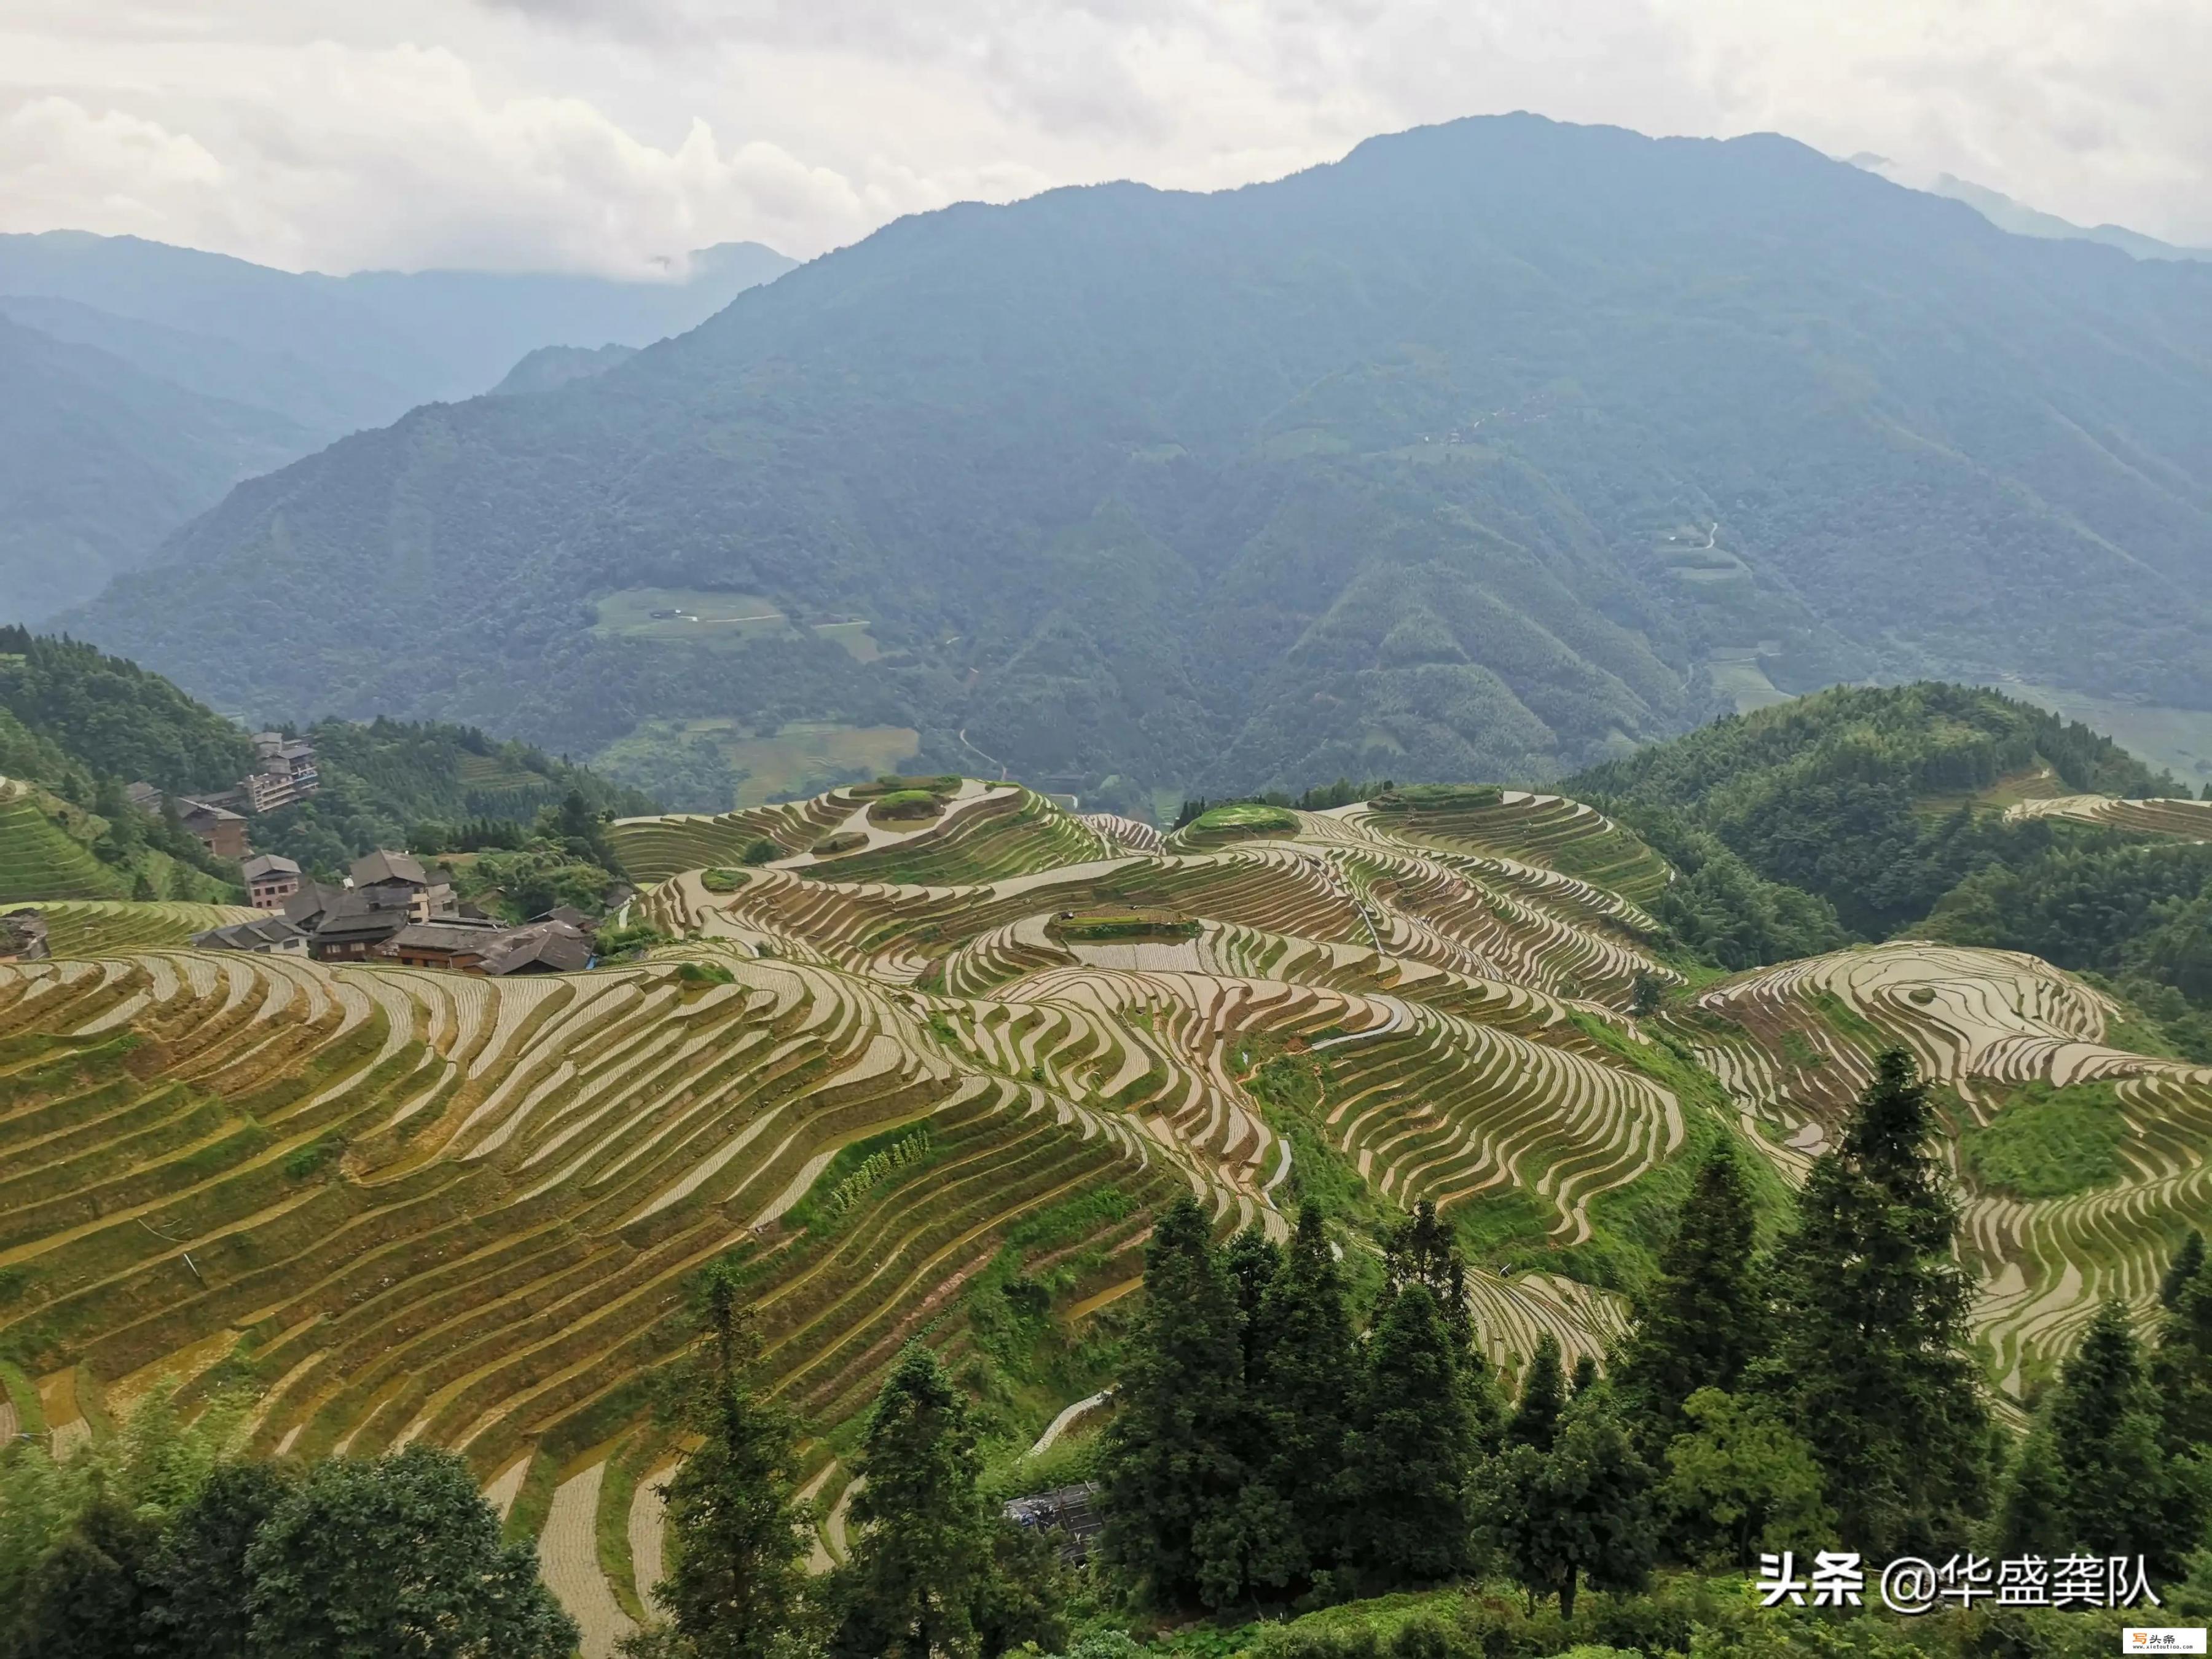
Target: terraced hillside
[966, 1050]
[39, 859]
[2191, 820]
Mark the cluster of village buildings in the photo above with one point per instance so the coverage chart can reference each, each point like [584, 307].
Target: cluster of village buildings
[283, 772]
[393, 908]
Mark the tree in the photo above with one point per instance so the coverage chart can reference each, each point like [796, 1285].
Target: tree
[1579, 1512]
[88, 1597]
[1700, 1323]
[2109, 1487]
[398, 1558]
[1869, 1310]
[1423, 1250]
[1252, 1262]
[1413, 1450]
[921, 1559]
[1739, 1482]
[2188, 1262]
[736, 1585]
[1171, 1477]
[1307, 1376]
[204, 1608]
[2181, 1368]
[1535, 1417]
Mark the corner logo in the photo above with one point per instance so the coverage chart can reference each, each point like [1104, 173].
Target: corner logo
[2169, 1639]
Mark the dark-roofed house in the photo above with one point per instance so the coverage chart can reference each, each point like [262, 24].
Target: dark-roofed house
[270, 936]
[544, 947]
[454, 942]
[271, 880]
[352, 926]
[429, 890]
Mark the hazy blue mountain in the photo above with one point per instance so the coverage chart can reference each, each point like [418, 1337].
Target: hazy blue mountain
[315, 356]
[2021, 220]
[1480, 453]
[556, 365]
[98, 461]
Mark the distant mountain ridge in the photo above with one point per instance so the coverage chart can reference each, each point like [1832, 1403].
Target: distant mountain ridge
[208, 369]
[2021, 220]
[1474, 454]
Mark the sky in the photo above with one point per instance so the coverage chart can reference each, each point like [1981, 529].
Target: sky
[611, 135]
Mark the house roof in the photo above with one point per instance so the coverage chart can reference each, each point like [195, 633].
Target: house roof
[194, 812]
[268, 864]
[250, 935]
[313, 899]
[360, 915]
[382, 867]
[545, 947]
[450, 934]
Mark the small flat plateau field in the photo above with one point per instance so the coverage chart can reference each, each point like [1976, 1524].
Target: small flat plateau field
[694, 616]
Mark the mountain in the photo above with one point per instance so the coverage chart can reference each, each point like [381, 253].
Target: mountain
[2021, 220]
[1483, 451]
[158, 376]
[556, 365]
[98, 461]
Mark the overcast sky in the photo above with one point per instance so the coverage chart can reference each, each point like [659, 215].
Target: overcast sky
[607, 134]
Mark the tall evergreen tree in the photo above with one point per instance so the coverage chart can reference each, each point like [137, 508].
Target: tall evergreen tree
[736, 1584]
[2109, 1488]
[1172, 1478]
[1413, 1450]
[922, 1561]
[2181, 1367]
[1252, 1261]
[1701, 1322]
[1423, 1250]
[1869, 1310]
[1306, 1381]
[2188, 1262]
[1535, 1418]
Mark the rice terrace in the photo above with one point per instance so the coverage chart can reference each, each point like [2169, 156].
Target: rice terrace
[918, 1042]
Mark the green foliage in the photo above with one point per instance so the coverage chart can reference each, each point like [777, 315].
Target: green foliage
[1700, 1323]
[398, 1557]
[735, 1585]
[113, 718]
[1579, 1510]
[1869, 1310]
[1412, 1447]
[1739, 1482]
[2048, 1142]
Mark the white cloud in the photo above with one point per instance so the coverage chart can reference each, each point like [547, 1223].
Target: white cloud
[604, 135]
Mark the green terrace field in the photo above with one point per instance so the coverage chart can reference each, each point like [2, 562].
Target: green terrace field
[39, 859]
[980, 1049]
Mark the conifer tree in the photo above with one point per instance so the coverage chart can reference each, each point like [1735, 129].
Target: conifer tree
[2188, 1262]
[2181, 1367]
[1252, 1261]
[921, 1562]
[1869, 1311]
[1172, 1478]
[1585, 1378]
[1413, 1451]
[1307, 1380]
[1700, 1323]
[1535, 1418]
[2108, 1479]
[736, 1585]
[1423, 1250]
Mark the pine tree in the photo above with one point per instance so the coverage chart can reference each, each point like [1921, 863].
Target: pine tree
[1307, 1377]
[1585, 1378]
[1700, 1323]
[1535, 1418]
[2188, 1262]
[1413, 1450]
[2181, 1368]
[922, 1563]
[1172, 1480]
[1869, 1311]
[1581, 1511]
[736, 1584]
[1252, 1262]
[2117, 1494]
[2032, 1516]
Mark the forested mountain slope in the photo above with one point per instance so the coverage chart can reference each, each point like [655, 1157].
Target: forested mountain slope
[138, 381]
[1463, 457]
